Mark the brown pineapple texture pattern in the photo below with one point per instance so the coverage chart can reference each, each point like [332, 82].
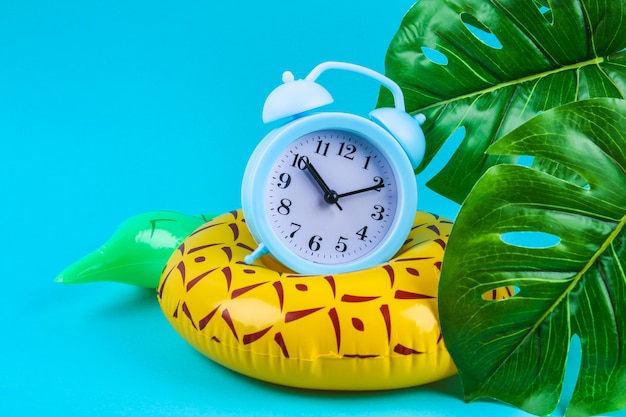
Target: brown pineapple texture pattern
[363, 330]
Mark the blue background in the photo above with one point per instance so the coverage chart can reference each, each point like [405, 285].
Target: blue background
[113, 108]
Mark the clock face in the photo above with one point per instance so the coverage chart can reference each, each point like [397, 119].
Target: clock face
[331, 197]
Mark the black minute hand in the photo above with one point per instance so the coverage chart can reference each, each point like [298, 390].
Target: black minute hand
[362, 190]
[330, 196]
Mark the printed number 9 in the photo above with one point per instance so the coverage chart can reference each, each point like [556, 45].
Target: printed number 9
[285, 180]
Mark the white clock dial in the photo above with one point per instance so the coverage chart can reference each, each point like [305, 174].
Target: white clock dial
[331, 197]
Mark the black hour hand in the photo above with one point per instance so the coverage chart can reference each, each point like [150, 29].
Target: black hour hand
[330, 196]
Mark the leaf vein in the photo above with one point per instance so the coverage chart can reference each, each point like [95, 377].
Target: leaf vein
[564, 294]
[608, 77]
[536, 43]
[495, 87]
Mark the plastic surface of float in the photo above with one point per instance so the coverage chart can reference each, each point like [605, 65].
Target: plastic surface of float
[372, 329]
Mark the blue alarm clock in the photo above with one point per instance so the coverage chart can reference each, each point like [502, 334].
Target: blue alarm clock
[332, 192]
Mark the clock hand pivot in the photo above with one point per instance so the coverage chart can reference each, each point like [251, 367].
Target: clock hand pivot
[330, 196]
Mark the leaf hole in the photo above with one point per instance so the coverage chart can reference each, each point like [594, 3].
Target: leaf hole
[562, 172]
[480, 31]
[449, 147]
[545, 10]
[435, 56]
[531, 240]
[572, 372]
[526, 160]
[442, 157]
[501, 293]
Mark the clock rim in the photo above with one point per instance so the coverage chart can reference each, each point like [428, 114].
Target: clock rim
[275, 142]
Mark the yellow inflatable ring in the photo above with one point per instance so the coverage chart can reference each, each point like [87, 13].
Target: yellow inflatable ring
[366, 330]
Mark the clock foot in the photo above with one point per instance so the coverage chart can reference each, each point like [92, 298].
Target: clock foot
[256, 254]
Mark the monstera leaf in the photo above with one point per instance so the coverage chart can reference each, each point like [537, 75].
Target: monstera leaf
[515, 349]
[488, 66]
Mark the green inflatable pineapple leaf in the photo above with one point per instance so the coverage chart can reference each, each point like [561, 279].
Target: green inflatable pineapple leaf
[137, 252]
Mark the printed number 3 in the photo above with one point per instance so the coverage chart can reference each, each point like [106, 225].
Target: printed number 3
[378, 213]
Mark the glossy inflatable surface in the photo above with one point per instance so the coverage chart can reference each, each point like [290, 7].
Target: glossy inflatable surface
[137, 251]
[365, 330]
